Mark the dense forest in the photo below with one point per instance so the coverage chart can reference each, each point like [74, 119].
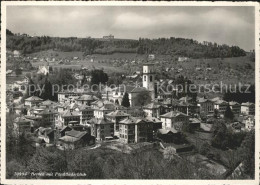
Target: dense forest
[165, 46]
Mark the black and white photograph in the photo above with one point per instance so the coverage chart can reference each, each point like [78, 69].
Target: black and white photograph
[129, 91]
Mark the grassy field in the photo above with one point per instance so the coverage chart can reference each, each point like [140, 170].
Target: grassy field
[227, 70]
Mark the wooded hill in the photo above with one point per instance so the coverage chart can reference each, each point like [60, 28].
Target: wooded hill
[164, 46]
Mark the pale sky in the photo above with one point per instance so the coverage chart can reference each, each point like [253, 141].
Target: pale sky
[224, 25]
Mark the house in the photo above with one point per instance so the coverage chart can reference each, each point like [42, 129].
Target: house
[168, 135]
[249, 122]
[183, 59]
[32, 101]
[16, 53]
[70, 117]
[157, 123]
[86, 99]
[135, 130]
[44, 70]
[101, 128]
[46, 134]
[151, 57]
[75, 139]
[205, 105]
[174, 119]
[48, 117]
[235, 107]
[108, 37]
[221, 106]
[248, 108]
[22, 125]
[86, 113]
[153, 109]
[115, 117]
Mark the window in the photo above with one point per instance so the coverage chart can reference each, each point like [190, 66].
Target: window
[144, 78]
[151, 78]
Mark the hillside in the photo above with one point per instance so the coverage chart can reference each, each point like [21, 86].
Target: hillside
[163, 46]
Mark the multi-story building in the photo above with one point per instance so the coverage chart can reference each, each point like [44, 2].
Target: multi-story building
[70, 117]
[174, 119]
[22, 125]
[86, 99]
[235, 107]
[248, 108]
[221, 106]
[249, 122]
[48, 117]
[115, 117]
[32, 101]
[101, 128]
[154, 109]
[134, 130]
[86, 113]
[205, 105]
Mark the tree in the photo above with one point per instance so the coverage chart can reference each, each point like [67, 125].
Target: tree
[247, 151]
[125, 100]
[18, 71]
[143, 98]
[98, 76]
[229, 114]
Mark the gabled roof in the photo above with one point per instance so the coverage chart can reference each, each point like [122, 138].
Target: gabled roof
[219, 102]
[203, 100]
[99, 121]
[48, 103]
[233, 103]
[153, 119]
[84, 107]
[139, 89]
[117, 113]
[153, 105]
[48, 111]
[248, 104]
[21, 120]
[133, 120]
[76, 134]
[68, 113]
[215, 99]
[87, 97]
[33, 98]
[185, 98]
[173, 114]
[166, 131]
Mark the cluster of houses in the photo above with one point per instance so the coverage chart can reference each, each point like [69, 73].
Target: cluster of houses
[80, 118]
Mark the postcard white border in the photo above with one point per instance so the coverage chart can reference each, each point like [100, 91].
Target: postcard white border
[123, 3]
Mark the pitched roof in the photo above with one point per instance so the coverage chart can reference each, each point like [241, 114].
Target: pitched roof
[248, 104]
[139, 89]
[233, 103]
[203, 100]
[153, 105]
[76, 134]
[117, 113]
[48, 102]
[166, 131]
[68, 113]
[132, 120]
[48, 111]
[218, 102]
[33, 98]
[153, 119]
[87, 97]
[99, 121]
[172, 114]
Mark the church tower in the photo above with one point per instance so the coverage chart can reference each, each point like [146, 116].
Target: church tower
[148, 78]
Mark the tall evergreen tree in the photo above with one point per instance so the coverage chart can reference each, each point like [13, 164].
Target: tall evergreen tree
[125, 100]
[228, 113]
